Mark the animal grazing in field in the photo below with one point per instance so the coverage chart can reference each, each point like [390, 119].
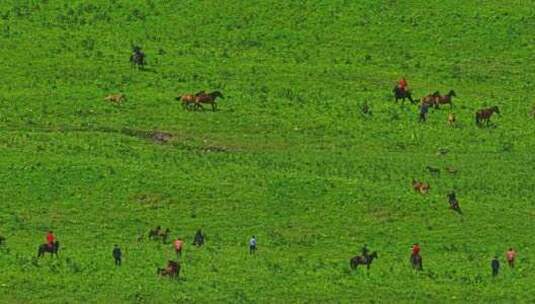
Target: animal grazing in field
[484, 115]
[116, 98]
[355, 261]
[188, 100]
[137, 58]
[446, 99]
[430, 99]
[421, 187]
[44, 248]
[155, 234]
[433, 170]
[402, 94]
[208, 98]
[451, 119]
[172, 270]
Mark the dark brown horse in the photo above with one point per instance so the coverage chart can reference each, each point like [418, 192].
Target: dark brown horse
[155, 234]
[484, 115]
[416, 262]
[208, 98]
[53, 250]
[402, 94]
[446, 99]
[172, 270]
[361, 260]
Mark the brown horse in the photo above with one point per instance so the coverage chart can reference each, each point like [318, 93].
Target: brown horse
[430, 99]
[446, 99]
[188, 100]
[484, 115]
[116, 98]
[451, 119]
[361, 260]
[421, 187]
[172, 270]
[155, 234]
[209, 98]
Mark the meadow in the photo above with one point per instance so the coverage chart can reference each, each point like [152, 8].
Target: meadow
[289, 157]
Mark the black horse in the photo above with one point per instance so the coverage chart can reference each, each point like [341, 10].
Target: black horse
[416, 262]
[44, 248]
[362, 260]
[137, 59]
[402, 94]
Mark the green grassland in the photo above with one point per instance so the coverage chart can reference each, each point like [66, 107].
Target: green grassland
[288, 158]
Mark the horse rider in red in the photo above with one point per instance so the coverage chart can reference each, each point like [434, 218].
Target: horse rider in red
[50, 238]
[403, 85]
[416, 249]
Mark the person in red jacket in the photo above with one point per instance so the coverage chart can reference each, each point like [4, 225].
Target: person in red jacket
[50, 238]
[403, 85]
[416, 249]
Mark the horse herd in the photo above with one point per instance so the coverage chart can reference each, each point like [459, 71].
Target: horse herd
[436, 100]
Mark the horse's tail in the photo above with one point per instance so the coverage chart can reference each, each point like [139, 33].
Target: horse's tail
[477, 118]
[178, 98]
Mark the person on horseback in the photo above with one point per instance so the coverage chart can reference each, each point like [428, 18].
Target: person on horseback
[50, 239]
[415, 250]
[403, 85]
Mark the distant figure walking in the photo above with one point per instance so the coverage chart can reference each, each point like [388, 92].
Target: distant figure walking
[416, 258]
[117, 254]
[198, 240]
[451, 119]
[495, 265]
[454, 203]
[179, 244]
[511, 256]
[424, 109]
[137, 59]
[252, 245]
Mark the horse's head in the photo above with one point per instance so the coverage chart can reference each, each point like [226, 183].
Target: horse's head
[178, 98]
[436, 93]
[374, 255]
[452, 93]
[217, 94]
[495, 109]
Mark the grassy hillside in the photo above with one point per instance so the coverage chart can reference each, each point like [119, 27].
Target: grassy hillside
[288, 158]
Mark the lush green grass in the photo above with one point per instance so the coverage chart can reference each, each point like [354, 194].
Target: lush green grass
[288, 158]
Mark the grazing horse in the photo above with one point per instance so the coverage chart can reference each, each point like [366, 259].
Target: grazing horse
[116, 98]
[421, 187]
[484, 115]
[446, 99]
[361, 260]
[172, 270]
[451, 170]
[188, 99]
[416, 262]
[53, 250]
[433, 170]
[155, 234]
[451, 119]
[137, 59]
[209, 98]
[402, 94]
[431, 99]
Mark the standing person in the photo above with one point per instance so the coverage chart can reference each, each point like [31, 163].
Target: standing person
[252, 245]
[198, 240]
[117, 254]
[495, 265]
[424, 108]
[50, 239]
[511, 255]
[178, 247]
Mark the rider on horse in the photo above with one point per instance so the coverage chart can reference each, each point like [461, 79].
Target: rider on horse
[50, 238]
[365, 252]
[403, 85]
